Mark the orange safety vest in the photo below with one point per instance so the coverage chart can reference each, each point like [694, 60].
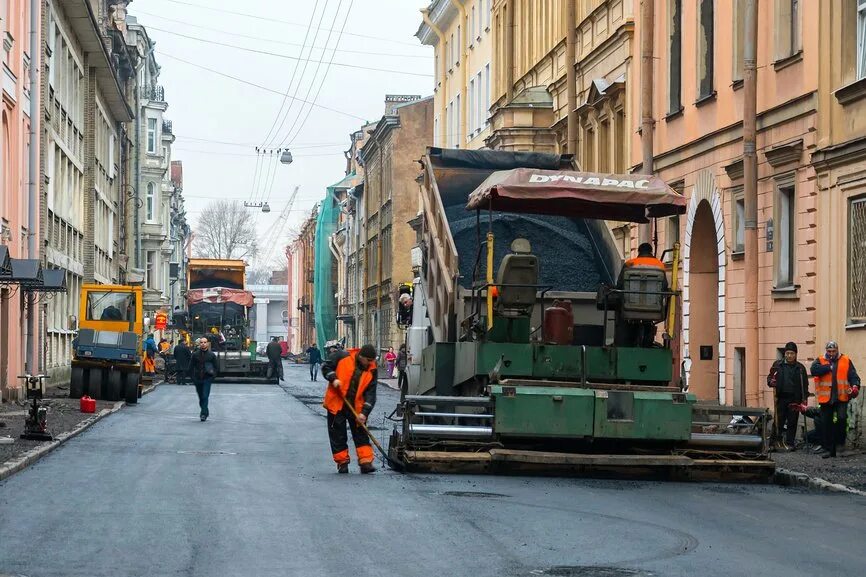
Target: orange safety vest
[824, 383]
[344, 371]
[645, 261]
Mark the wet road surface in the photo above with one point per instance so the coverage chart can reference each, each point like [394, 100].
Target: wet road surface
[252, 492]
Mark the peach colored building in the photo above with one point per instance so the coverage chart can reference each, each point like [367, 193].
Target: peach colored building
[698, 148]
[840, 166]
[14, 180]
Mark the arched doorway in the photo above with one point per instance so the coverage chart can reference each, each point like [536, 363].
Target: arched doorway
[704, 306]
[704, 292]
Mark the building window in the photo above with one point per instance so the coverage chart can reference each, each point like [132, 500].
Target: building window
[787, 28]
[620, 141]
[457, 117]
[486, 99]
[857, 260]
[589, 149]
[471, 108]
[861, 39]
[459, 48]
[739, 38]
[786, 219]
[672, 236]
[604, 146]
[151, 135]
[705, 48]
[150, 269]
[739, 377]
[738, 212]
[675, 57]
[151, 202]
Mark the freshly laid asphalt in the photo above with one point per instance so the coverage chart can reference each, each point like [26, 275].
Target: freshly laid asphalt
[152, 491]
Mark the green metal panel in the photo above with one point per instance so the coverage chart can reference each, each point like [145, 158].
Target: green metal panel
[437, 368]
[543, 411]
[516, 359]
[556, 362]
[600, 363]
[637, 364]
[643, 415]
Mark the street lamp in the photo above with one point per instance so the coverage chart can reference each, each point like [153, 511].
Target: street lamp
[262, 205]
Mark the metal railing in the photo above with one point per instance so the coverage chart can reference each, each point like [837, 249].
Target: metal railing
[166, 127]
[155, 92]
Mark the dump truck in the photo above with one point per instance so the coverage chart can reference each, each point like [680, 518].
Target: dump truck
[218, 307]
[106, 355]
[539, 351]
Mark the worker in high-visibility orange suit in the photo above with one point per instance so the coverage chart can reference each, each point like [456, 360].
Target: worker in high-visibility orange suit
[836, 382]
[645, 257]
[352, 377]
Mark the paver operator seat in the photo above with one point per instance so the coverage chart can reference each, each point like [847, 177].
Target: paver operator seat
[641, 300]
[518, 268]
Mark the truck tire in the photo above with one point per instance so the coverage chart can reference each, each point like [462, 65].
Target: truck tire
[130, 388]
[114, 386]
[76, 383]
[94, 383]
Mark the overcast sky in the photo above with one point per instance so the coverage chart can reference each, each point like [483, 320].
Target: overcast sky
[219, 121]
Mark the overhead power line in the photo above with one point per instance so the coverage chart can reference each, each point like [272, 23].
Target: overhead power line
[283, 42]
[288, 57]
[259, 86]
[287, 22]
[288, 136]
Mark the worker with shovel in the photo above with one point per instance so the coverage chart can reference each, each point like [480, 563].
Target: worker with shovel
[351, 392]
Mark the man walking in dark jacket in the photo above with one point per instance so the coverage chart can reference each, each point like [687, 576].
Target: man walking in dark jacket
[791, 382]
[275, 359]
[402, 377]
[182, 357]
[315, 360]
[351, 377]
[203, 369]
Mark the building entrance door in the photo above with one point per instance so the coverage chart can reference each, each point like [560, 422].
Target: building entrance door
[704, 306]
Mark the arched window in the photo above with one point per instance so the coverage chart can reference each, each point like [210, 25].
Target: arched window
[151, 202]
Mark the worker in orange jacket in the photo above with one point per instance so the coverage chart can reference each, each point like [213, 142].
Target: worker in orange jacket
[352, 378]
[836, 382]
[645, 257]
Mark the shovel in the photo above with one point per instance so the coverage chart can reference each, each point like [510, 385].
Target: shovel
[393, 463]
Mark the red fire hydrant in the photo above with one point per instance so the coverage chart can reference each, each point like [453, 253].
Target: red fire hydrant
[88, 405]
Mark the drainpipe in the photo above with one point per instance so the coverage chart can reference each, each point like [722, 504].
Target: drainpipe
[33, 173]
[750, 171]
[570, 76]
[464, 88]
[646, 97]
[509, 51]
[443, 134]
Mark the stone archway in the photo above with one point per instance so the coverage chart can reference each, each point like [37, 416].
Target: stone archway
[704, 291]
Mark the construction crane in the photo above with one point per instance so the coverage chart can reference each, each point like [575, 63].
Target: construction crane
[275, 231]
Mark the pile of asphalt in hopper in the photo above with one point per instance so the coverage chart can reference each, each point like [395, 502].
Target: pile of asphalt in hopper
[569, 258]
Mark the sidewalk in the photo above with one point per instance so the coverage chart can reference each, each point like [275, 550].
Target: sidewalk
[849, 470]
[64, 415]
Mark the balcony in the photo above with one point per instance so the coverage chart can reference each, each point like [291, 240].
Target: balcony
[155, 93]
[166, 127]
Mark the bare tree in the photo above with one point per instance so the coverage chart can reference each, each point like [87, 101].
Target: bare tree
[225, 230]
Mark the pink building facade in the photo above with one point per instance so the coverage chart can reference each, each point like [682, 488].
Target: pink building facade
[14, 182]
[698, 149]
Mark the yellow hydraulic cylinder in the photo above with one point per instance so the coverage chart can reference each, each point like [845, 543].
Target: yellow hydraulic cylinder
[672, 305]
[489, 280]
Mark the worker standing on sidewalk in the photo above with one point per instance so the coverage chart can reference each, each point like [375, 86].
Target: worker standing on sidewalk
[791, 382]
[836, 381]
[352, 378]
[275, 359]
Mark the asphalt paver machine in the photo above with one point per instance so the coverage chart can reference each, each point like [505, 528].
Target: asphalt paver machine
[544, 351]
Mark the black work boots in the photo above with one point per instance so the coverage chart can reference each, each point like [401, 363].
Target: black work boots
[367, 468]
[343, 468]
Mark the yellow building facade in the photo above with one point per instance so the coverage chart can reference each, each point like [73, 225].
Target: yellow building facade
[460, 34]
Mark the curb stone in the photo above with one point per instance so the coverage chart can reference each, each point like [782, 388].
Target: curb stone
[12, 466]
[789, 478]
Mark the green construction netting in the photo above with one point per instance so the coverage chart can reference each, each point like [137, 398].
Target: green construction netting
[324, 301]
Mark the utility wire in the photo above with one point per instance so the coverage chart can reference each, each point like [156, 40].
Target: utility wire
[282, 120]
[284, 43]
[294, 72]
[259, 86]
[253, 144]
[288, 57]
[268, 19]
[324, 77]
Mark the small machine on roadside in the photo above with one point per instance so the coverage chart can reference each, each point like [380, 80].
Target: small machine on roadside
[36, 420]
